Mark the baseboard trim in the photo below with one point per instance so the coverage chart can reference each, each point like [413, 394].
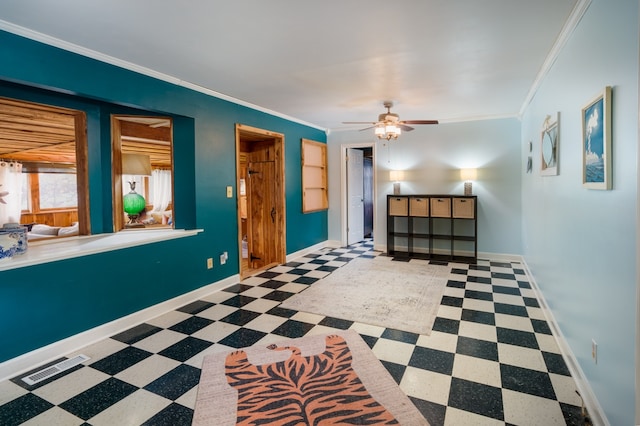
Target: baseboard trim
[23, 363]
[591, 403]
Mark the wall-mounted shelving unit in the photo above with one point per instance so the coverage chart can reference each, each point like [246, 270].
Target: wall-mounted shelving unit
[433, 226]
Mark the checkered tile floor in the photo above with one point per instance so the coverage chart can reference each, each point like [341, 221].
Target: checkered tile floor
[490, 359]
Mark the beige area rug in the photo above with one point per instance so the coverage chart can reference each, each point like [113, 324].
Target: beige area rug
[313, 380]
[399, 295]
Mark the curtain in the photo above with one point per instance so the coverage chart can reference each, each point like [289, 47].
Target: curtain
[10, 192]
[160, 189]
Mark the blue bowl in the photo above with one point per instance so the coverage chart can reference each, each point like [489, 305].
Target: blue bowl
[9, 243]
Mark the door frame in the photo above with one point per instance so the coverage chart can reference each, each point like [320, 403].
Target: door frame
[343, 187]
[243, 132]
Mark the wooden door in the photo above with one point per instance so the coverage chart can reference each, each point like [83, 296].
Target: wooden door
[263, 214]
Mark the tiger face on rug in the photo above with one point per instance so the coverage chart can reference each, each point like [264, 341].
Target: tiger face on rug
[312, 390]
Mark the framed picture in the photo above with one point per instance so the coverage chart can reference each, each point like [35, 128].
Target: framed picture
[596, 142]
[549, 152]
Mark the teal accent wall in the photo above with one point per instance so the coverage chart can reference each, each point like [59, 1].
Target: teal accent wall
[45, 303]
[581, 244]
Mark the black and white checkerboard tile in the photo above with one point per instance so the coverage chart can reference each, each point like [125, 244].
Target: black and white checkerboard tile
[490, 359]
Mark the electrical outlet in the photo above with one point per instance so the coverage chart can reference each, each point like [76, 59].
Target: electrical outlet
[229, 191]
[223, 259]
[594, 351]
[210, 263]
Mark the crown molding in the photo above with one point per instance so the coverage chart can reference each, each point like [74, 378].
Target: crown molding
[74, 48]
[567, 30]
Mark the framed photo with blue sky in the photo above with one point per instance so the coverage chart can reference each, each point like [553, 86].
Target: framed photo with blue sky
[596, 142]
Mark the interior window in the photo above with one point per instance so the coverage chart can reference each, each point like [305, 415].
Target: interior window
[47, 146]
[142, 172]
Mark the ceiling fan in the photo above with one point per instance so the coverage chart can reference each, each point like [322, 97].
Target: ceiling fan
[389, 126]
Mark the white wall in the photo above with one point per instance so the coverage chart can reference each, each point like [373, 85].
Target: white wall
[581, 244]
[431, 157]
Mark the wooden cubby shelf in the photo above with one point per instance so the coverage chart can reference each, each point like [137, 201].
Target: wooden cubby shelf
[433, 226]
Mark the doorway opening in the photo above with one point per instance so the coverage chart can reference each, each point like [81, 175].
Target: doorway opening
[260, 198]
[359, 193]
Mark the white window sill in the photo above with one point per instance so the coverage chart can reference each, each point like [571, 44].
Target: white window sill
[66, 248]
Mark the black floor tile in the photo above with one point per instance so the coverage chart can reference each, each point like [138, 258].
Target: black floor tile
[456, 284]
[242, 338]
[476, 398]
[479, 268]
[500, 264]
[477, 348]
[452, 301]
[137, 333]
[278, 296]
[238, 301]
[195, 307]
[503, 276]
[98, 398]
[318, 261]
[524, 284]
[293, 264]
[396, 370]
[281, 312]
[481, 317]
[293, 329]
[121, 360]
[268, 274]
[336, 323]
[515, 291]
[272, 284]
[520, 338]
[298, 271]
[369, 340]
[400, 336]
[23, 408]
[572, 415]
[240, 317]
[176, 382]
[526, 381]
[432, 412]
[237, 288]
[185, 349]
[173, 415]
[531, 302]
[446, 325]
[540, 326]
[305, 280]
[459, 271]
[325, 268]
[191, 325]
[432, 360]
[555, 364]
[503, 308]
[479, 280]
[478, 295]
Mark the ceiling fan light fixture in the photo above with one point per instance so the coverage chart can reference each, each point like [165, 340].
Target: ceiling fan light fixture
[388, 131]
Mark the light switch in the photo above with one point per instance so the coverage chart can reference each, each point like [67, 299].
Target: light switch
[229, 191]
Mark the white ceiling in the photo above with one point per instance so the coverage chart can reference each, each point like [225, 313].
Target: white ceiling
[320, 62]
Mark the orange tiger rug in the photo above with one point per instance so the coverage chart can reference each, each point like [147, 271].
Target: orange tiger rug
[317, 380]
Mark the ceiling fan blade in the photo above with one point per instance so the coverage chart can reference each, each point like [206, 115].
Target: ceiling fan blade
[367, 128]
[359, 122]
[405, 128]
[419, 122]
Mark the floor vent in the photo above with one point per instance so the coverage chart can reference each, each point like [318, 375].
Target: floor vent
[51, 371]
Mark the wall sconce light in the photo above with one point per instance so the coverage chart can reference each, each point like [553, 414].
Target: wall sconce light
[468, 176]
[396, 176]
[134, 203]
